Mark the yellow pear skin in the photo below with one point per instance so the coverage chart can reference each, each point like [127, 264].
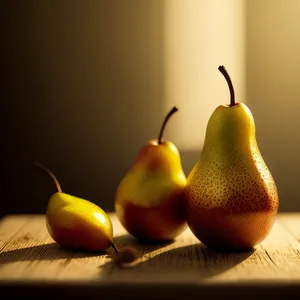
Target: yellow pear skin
[149, 200]
[231, 196]
[76, 223]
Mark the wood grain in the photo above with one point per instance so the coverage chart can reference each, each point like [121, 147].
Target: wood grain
[29, 256]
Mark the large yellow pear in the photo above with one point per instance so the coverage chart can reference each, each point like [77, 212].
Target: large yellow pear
[231, 196]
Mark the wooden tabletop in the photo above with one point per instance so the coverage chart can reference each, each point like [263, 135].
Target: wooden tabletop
[32, 264]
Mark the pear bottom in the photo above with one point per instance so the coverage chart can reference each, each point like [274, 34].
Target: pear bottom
[220, 230]
[79, 237]
[153, 224]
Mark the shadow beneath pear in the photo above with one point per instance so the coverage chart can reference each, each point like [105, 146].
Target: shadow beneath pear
[197, 260]
[130, 240]
[142, 247]
[51, 251]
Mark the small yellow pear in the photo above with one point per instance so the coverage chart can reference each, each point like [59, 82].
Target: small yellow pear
[77, 223]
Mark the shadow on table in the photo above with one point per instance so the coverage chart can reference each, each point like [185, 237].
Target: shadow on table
[53, 251]
[192, 258]
[196, 259]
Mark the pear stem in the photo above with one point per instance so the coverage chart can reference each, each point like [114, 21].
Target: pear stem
[115, 247]
[223, 70]
[171, 112]
[51, 175]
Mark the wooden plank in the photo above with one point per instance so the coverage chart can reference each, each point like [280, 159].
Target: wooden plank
[9, 225]
[283, 251]
[202, 265]
[31, 255]
[19, 255]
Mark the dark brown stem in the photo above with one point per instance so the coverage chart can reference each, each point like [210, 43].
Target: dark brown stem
[51, 175]
[171, 112]
[115, 247]
[230, 85]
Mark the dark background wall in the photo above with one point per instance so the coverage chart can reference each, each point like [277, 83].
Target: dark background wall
[82, 84]
[82, 89]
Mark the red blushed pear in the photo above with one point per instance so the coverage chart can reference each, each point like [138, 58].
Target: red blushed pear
[149, 201]
[231, 196]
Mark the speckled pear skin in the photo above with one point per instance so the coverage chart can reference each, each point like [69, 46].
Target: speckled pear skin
[231, 196]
